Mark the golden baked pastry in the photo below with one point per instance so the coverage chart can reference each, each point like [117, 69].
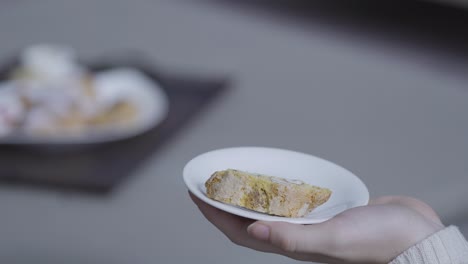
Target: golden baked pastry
[265, 194]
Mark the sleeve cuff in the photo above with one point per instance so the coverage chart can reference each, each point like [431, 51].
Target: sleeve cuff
[445, 246]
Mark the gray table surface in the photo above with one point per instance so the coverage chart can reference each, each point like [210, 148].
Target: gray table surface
[377, 101]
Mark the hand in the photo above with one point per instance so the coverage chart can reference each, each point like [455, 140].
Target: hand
[376, 233]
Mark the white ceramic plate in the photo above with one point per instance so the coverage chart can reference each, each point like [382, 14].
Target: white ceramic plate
[348, 190]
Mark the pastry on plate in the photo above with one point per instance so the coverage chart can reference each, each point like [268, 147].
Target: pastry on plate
[265, 194]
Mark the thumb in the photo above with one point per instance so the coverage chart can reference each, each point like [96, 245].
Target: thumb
[292, 238]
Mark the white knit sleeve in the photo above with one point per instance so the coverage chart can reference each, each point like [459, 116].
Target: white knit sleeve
[446, 246]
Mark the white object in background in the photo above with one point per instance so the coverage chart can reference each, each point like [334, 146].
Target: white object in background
[11, 108]
[348, 190]
[130, 85]
[51, 77]
[39, 120]
[50, 62]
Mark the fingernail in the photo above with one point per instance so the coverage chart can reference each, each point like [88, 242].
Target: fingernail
[259, 231]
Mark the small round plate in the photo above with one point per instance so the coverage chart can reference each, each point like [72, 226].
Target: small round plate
[348, 191]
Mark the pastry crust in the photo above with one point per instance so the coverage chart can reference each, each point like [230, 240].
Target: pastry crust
[265, 194]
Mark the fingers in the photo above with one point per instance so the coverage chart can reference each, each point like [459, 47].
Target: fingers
[385, 200]
[411, 203]
[234, 227]
[293, 238]
[226, 222]
[306, 243]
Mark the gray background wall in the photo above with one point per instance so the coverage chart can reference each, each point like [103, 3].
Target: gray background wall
[381, 90]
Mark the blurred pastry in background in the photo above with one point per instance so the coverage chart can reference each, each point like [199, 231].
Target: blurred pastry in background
[51, 94]
[12, 109]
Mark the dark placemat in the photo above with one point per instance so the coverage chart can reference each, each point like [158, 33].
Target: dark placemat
[99, 168]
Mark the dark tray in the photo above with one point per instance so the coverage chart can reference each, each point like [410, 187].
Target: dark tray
[99, 168]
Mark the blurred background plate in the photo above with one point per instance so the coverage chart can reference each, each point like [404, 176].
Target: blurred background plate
[152, 108]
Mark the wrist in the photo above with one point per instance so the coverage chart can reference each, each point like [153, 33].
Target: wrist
[418, 233]
[444, 246]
